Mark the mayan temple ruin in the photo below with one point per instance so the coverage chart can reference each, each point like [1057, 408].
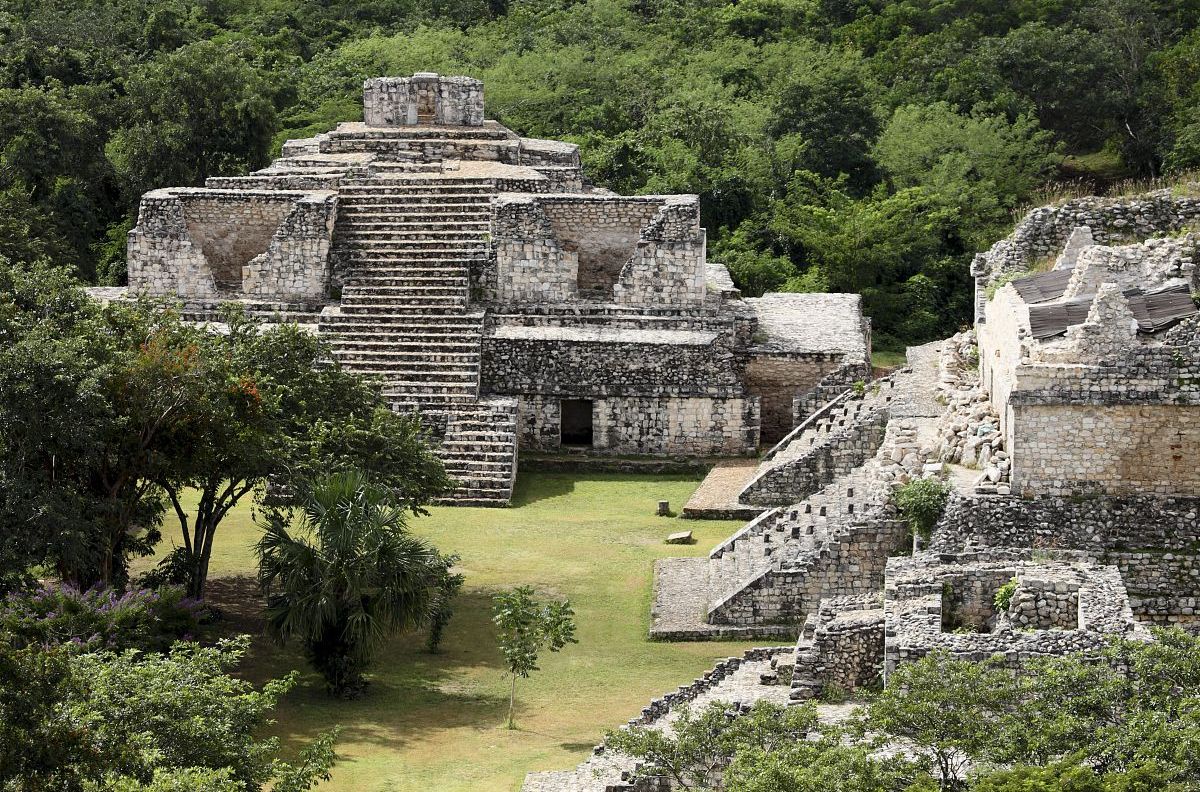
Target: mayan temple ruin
[1065, 426]
[517, 308]
[496, 292]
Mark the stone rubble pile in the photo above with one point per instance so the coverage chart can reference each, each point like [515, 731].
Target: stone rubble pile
[969, 430]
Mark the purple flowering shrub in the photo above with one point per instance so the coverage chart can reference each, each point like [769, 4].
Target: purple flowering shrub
[100, 618]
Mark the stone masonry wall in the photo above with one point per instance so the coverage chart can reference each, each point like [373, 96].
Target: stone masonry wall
[1043, 231]
[423, 98]
[649, 425]
[1151, 540]
[668, 265]
[1119, 449]
[199, 243]
[840, 647]
[779, 379]
[557, 366]
[1122, 417]
[642, 250]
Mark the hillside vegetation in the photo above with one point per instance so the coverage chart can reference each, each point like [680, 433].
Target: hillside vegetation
[856, 145]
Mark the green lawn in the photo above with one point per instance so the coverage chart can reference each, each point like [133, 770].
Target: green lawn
[435, 722]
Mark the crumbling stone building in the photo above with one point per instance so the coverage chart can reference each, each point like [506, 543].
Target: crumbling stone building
[496, 292]
[1094, 384]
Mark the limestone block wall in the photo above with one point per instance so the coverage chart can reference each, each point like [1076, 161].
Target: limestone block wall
[648, 425]
[1120, 449]
[668, 267]
[1115, 415]
[641, 250]
[1004, 344]
[917, 623]
[200, 243]
[779, 379]
[531, 264]
[551, 363]
[295, 265]
[841, 647]
[1044, 604]
[1151, 540]
[1148, 266]
[424, 98]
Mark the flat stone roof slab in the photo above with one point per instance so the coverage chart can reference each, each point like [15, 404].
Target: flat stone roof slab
[810, 323]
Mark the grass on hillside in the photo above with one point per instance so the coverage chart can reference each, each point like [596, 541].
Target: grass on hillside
[436, 722]
[888, 359]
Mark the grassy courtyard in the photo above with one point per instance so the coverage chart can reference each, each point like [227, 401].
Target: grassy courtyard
[436, 722]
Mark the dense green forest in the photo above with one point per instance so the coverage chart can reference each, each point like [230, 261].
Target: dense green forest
[858, 145]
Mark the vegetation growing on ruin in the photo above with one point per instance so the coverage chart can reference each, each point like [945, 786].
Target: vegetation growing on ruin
[921, 502]
[860, 146]
[1066, 724]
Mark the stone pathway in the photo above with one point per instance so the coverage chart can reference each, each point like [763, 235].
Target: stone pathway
[916, 393]
[716, 497]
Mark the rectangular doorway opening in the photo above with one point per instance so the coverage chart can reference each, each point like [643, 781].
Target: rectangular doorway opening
[576, 422]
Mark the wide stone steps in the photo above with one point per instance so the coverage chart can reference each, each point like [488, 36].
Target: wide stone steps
[366, 339]
[414, 204]
[417, 278]
[419, 339]
[405, 300]
[398, 179]
[402, 192]
[377, 224]
[453, 372]
[430, 284]
[413, 360]
[454, 261]
[396, 346]
[392, 213]
[413, 243]
[408, 244]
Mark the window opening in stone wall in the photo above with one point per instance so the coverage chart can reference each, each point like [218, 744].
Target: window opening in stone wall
[576, 422]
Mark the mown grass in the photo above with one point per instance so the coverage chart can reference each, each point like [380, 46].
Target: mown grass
[436, 722]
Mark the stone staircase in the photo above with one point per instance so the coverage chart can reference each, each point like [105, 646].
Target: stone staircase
[793, 537]
[839, 436]
[407, 243]
[832, 543]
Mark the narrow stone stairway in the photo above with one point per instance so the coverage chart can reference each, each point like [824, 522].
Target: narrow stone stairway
[408, 243]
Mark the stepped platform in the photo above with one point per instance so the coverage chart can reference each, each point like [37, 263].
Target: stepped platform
[717, 496]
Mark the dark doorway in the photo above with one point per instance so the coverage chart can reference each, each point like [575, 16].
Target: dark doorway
[576, 424]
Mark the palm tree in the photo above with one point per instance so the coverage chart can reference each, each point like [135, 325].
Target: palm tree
[346, 577]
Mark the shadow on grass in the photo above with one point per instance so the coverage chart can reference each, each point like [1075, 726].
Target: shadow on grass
[577, 746]
[533, 488]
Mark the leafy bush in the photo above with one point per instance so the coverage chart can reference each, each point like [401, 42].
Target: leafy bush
[136, 722]
[347, 575]
[921, 503]
[99, 618]
[1004, 595]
